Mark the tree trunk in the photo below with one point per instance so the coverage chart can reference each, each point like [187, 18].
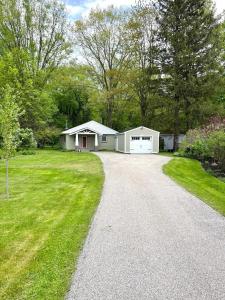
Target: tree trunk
[143, 106]
[176, 126]
[187, 114]
[109, 113]
[7, 178]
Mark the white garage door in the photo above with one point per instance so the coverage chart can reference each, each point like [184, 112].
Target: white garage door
[141, 144]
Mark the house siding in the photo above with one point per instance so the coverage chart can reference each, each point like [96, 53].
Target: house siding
[142, 131]
[70, 142]
[110, 143]
[121, 138]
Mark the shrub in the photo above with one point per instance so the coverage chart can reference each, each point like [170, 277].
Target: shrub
[195, 145]
[27, 152]
[216, 144]
[48, 136]
[26, 138]
[207, 143]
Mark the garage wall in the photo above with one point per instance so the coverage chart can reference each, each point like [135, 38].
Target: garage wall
[121, 142]
[143, 131]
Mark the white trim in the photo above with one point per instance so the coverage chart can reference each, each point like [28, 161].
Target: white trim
[125, 144]
[86, 128]
[141, 127]
[117, 142]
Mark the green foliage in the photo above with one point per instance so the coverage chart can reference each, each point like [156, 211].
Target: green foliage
[106, 47]
[189, 39]
[27, 152]
[206, 143]
[48, 136]
[9, 124]
[33, 42]
[216, 144]
[70, 88]
[26, 138]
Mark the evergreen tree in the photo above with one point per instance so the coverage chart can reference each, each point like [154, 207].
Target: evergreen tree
[189, 41]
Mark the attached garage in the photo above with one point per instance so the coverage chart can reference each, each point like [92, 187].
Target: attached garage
[139, 140]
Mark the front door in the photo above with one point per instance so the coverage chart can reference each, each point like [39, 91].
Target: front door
[84, 139]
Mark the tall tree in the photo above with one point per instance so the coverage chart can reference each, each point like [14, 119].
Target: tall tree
[39, 29]
[143, 31]
[71, 89]
[9, 125]
[105, 46]
[189, 51]
[33, 42]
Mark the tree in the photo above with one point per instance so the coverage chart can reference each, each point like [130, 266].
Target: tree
[105, 46]
[189, 57]
[9, 125]
[33, 42]
[144, 49]
[70, 89]
[38, 30]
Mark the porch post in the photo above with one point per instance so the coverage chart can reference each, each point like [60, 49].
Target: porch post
[76, 140]
[96, 140]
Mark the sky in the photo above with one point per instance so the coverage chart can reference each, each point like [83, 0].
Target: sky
[81, 8]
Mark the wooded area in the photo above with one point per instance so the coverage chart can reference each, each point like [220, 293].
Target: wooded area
[159, 64]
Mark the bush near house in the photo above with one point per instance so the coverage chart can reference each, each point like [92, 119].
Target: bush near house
[26, 139]
[49, 136]
[207, 144]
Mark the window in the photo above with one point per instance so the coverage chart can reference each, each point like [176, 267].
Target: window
[135, 138]
[104, 139]
[146, 138]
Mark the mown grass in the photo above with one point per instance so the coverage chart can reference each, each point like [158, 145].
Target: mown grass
[190, 174]
[44, 223]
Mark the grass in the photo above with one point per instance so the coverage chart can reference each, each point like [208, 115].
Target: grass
[44, 223]
[190, 174]
[166, 153]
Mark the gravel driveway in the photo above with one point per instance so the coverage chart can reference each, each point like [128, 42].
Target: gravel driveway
[150, 239]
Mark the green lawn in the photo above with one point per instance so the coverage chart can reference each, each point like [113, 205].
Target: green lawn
[190, 174]
[44, 223]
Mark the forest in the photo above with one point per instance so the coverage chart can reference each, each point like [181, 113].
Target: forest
[158, 64]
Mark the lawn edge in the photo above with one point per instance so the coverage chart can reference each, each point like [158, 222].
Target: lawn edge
[188, 189]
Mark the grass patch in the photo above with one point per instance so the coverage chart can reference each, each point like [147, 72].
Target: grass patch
[165, 153]
[190, 174]
[44, 223]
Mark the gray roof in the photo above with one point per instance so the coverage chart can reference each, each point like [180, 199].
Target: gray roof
[93, 126]
[138, 128]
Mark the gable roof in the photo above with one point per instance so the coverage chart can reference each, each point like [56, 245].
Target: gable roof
[93, 126]
[141, 128]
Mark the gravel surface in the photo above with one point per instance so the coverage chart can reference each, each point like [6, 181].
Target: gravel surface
[150, 239]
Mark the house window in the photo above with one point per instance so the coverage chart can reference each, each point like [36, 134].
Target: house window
[104, 139]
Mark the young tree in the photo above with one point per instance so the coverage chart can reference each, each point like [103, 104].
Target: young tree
[105, 46]
[189, 57]
[9, 125]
